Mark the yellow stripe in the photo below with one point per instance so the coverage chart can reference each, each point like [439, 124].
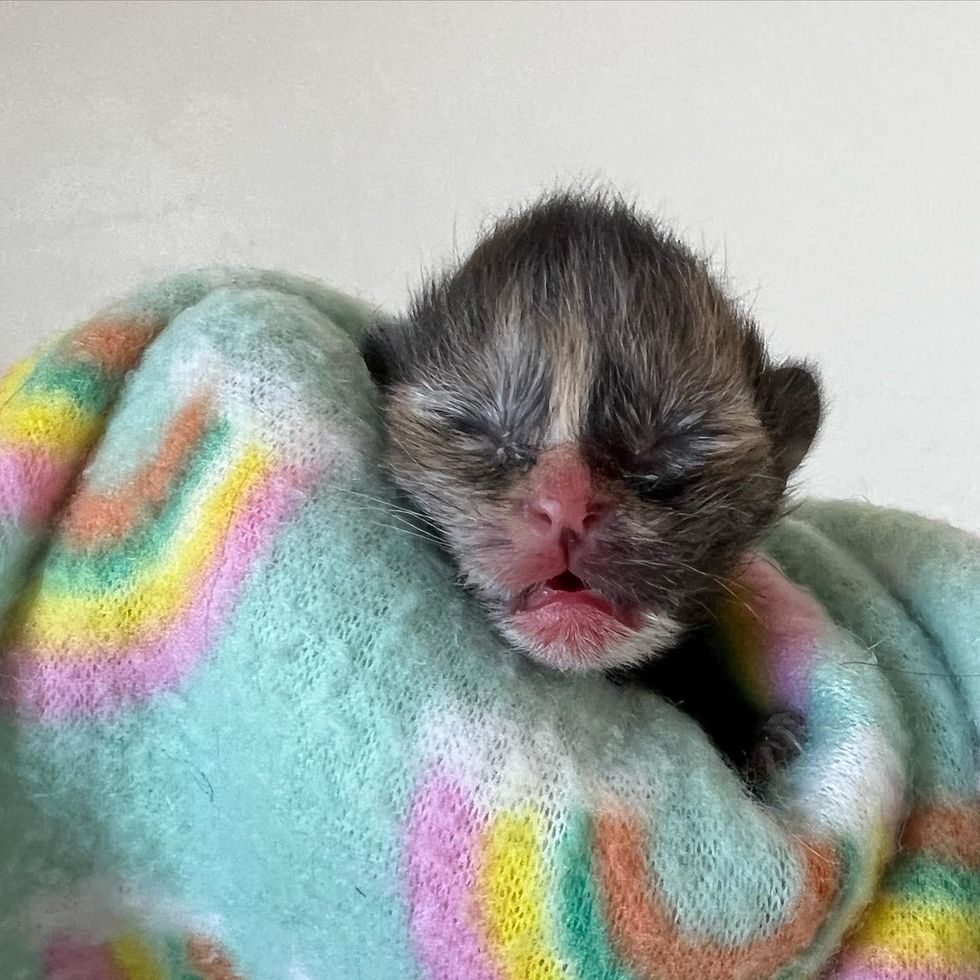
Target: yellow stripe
[514, 896]
[913, 931]
[53, 422]
[65, 623]
[135, 959]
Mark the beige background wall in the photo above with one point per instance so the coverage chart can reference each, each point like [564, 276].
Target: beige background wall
[828, 153]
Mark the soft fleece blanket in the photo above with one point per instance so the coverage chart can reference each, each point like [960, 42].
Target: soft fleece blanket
[252, 730]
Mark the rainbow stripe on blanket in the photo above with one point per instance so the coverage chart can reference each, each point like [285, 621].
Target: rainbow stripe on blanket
[550, 899]
[133, 956]
[140, 575]
[925, 923]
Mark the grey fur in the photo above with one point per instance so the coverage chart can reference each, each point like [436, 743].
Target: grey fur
[580, 320]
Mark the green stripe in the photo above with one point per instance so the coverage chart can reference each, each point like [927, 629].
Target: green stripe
[86, 384]
[921, 878]
[176, 961]
[584, 938]
[69, 571]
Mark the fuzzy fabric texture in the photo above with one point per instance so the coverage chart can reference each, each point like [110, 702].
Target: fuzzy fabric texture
[252, 730]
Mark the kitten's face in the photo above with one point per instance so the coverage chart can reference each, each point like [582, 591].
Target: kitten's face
[594, 430]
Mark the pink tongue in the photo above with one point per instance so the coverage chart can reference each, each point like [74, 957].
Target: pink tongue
[566, 582]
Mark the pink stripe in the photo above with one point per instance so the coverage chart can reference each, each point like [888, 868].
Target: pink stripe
[792, 623]
[54, 690]
[68, 959]
[442, 867]
[31, 484]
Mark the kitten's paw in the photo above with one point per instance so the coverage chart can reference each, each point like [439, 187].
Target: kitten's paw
[780, 741]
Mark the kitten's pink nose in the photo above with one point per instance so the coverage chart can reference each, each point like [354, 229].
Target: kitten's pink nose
[562, 501]
[551, 513]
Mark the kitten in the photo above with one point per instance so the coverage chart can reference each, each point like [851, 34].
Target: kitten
[594, 428]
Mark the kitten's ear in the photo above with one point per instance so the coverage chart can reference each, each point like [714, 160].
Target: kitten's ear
[380, 349]
[790, 406]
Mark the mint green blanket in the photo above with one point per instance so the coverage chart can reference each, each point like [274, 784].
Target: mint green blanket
[252, 730]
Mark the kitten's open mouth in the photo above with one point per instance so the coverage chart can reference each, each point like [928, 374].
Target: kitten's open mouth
[567, 590]
[569, 623]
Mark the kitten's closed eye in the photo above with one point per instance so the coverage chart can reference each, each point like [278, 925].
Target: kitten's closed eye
[465, 424]
[462, 422]
[657, 472]
[487, 438]
[658, 488]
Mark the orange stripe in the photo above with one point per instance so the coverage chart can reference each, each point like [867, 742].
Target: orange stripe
[105, 518]
[948, 832]
[208, 959]
[116, 345]
[649, 939]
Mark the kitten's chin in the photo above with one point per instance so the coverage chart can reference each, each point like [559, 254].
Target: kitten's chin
[586, 633]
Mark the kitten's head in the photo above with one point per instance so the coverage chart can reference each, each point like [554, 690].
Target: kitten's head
[593, 426]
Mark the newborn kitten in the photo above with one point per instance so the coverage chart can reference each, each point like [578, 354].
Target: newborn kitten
[594, 428]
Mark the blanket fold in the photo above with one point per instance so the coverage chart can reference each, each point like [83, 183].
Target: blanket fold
[252, 730]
